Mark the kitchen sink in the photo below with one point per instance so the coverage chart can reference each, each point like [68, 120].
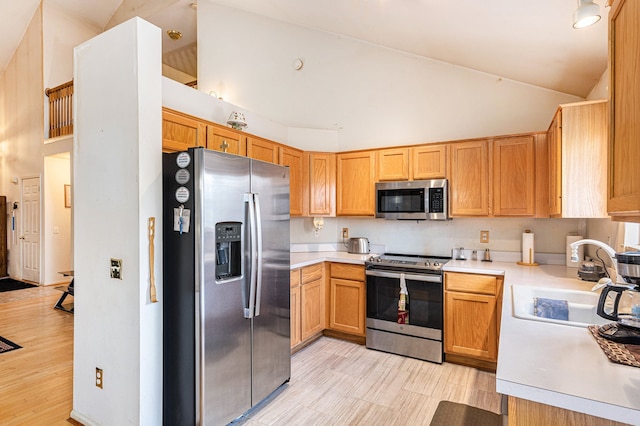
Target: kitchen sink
[582, 305]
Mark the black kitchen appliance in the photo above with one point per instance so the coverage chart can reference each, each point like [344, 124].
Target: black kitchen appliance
[621, 303]
[418, 334]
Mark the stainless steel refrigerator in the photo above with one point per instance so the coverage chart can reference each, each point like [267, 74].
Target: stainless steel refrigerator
[226, 285]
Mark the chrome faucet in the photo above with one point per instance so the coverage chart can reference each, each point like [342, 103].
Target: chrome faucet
[611, 252]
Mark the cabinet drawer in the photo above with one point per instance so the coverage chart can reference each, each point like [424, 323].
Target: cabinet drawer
[350, 272]
[295, 278]
[312, 273]
[471, 283]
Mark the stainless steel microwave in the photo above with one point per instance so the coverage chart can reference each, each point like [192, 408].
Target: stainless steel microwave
[413, 200]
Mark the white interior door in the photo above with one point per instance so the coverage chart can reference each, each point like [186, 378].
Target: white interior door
[31, 229]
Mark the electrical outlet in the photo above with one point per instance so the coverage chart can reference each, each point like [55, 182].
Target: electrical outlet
[484, 236]
[116, 269]
[345, 232]
[99, 377]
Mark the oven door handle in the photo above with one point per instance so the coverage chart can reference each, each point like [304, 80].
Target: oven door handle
[413, 277]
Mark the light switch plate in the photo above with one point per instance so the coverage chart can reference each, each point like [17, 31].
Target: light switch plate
[116, 268]
[484, 236]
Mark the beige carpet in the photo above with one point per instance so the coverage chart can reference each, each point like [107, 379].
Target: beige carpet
[455, 414]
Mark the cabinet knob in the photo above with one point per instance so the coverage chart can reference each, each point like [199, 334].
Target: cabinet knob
[224, 145]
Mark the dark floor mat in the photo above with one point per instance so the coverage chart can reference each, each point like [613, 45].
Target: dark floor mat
[9, 284]
[455, 414]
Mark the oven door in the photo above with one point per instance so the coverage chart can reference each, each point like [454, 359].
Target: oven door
[425, 298]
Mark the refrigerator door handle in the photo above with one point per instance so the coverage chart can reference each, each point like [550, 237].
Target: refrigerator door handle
[248, 311]
[259, 251]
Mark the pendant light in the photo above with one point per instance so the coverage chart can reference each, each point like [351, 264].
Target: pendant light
[587, 13]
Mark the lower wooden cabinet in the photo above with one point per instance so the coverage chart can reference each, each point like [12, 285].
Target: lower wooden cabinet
[472, 318]
[295, 308]
[307, 303]
[348, 299]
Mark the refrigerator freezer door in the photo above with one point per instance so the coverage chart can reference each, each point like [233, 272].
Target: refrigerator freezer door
[224, 331]
[271, 330]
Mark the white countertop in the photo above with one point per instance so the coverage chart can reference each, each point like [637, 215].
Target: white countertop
[555, 364]
[298, 260]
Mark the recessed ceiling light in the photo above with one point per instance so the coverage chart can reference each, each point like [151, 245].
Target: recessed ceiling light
[174, 35]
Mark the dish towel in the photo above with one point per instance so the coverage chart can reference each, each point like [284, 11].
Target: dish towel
[551, 308]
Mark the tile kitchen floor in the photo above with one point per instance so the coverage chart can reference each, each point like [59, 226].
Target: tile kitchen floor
[334, 382]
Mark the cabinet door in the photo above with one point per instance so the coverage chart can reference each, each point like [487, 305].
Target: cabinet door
[180, 132]
[469, 182]
[347, 311]
[554, 137]
[322, 184]
[226, 140]
[312, 297]
[296, 334]
[430, 162]
[470, 325]
[262, 149]
[584, 159]
[293, 158]
[624, 91]
[513, 176]
[295, 310]
[393, 164]
[356, 184]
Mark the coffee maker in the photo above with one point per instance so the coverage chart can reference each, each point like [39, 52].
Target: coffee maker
[621, 302]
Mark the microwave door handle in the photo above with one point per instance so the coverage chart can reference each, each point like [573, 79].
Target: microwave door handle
[412, 277]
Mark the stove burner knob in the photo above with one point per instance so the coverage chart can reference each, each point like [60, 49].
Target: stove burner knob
[436, 264]
[427, 263]
[378, 260]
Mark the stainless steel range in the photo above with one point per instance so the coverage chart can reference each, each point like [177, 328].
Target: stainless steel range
[413, 329]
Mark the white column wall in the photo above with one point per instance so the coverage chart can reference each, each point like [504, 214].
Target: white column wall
[117, 187]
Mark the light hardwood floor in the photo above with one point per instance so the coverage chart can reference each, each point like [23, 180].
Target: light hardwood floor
[333, 382]
[36, 380]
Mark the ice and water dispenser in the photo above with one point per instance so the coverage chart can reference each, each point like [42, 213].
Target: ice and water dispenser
[228, 250]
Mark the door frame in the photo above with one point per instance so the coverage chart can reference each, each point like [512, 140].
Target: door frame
[20, 225]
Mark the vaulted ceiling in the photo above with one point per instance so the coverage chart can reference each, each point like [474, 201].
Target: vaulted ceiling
[527, 41]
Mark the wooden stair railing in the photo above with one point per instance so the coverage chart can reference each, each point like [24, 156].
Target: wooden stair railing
[60, 109]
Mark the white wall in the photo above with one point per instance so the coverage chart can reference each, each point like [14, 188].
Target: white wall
[56, 226]
[22, 134]
[601, 89]
[117, 187]
[438, 238]
[61, 33]
[372, 96]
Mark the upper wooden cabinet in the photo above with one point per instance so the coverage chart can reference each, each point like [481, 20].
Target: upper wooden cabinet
[356, 183]
[429, 161]
[180, 131]
[578, 160]
[469, 178]
[294, 158]
[263, 149]
[624, 92]
[555, 166]
[513, 176]
[393, 164]
[320, 194]
[223, 139]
